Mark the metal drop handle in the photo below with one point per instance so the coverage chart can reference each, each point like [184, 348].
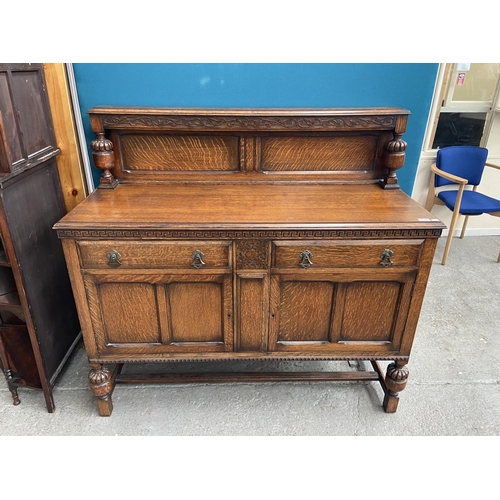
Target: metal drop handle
[306, 257]
[114, 258]
[386, 257]
[198, 259]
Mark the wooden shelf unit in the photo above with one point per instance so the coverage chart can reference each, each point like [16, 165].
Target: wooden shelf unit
[39, 324]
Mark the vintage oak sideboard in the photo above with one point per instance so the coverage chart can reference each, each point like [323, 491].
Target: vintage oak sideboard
[248, 234]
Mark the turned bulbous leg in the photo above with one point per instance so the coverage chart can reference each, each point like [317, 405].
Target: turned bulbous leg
[395, 381]
[101, 384]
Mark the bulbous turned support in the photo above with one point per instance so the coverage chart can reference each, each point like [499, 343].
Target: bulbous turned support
[394, 159]
[395, 381]
[104, 159]
[102, 384]
[397, 376]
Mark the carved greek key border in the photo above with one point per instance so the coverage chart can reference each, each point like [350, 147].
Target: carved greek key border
[250, 123]
[238, 234]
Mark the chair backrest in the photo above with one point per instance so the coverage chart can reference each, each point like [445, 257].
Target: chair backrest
[463, 161]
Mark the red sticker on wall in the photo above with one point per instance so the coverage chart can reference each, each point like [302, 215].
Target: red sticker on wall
[461, 79]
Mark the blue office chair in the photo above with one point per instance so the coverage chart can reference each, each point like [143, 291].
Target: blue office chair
[462, 166]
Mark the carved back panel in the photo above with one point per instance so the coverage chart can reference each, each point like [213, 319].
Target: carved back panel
[249, 145]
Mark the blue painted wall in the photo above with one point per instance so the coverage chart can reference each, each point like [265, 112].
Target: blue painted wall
[266, 85]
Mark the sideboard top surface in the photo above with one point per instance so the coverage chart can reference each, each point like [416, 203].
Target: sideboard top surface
[302, 206]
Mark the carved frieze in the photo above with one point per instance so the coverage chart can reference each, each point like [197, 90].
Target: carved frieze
[250, 123]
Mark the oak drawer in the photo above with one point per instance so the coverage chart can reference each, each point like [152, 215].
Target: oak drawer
[350, 253]
[154, 255]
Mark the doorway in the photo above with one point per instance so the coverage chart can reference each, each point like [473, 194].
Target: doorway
[465, 111]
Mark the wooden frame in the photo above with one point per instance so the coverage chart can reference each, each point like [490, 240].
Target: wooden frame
[69, 161]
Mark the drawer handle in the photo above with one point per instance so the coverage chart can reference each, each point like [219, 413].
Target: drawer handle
[114, 259]
[306, 257]
[198, 259]
[386, 257]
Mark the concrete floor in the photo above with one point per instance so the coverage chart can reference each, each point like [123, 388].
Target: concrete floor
[453, 388]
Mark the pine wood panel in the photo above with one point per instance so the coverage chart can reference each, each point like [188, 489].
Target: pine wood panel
[69, 161]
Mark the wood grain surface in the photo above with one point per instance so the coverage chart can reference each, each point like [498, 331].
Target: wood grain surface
[246, 205]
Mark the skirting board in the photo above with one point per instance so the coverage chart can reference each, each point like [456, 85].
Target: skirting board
[489, 231]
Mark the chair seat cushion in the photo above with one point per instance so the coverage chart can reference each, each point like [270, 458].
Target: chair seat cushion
[473, 203]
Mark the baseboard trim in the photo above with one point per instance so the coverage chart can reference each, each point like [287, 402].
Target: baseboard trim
[490, 231]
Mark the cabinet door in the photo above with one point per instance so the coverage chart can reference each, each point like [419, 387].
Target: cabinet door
[344, 311]
[154, 313]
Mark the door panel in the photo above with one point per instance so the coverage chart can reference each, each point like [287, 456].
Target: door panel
[196, 312]
[129, 313]
[369, 310]
[163, 313]
[34, 121]
[252, 303]
[331, 312]
[305, 310]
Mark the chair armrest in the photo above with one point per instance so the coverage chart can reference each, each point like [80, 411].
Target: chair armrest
[488, 164]
[446, 175]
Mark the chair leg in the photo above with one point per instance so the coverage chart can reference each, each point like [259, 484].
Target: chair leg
[462, 234]
[498, 260]
[431, 195]
[453, 223]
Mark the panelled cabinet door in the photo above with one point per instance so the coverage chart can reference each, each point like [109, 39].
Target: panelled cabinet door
[336, 312]
[162, 313]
